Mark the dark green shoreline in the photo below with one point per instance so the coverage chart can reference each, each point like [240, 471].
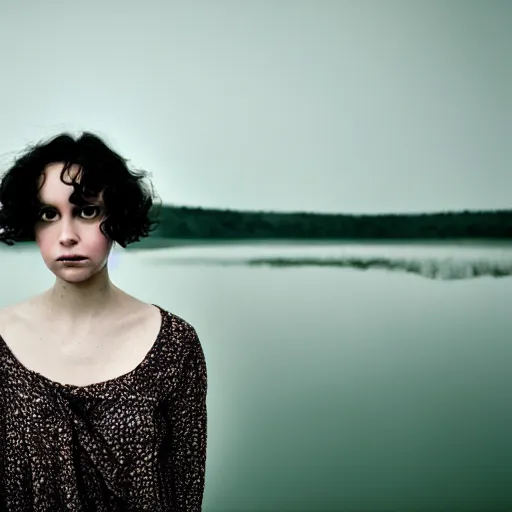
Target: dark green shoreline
[179, 225]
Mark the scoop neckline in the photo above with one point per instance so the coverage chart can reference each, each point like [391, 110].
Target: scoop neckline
[94, 385]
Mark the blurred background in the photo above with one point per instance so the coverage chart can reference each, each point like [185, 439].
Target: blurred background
[343, 375]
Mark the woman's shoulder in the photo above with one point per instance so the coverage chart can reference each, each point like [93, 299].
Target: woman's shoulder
[14, 313]
[181, 334]
[4, 314]
[176, 326]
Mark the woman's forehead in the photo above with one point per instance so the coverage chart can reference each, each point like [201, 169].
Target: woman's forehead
[52, 172]
[52, 188]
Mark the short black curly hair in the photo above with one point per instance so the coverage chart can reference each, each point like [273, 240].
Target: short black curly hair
[128, 201]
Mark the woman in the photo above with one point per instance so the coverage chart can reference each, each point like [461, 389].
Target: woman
[102, 396]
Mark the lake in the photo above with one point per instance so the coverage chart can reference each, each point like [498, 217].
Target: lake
[341, 376]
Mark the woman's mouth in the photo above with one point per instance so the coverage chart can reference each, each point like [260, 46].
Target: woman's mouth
[73, 260]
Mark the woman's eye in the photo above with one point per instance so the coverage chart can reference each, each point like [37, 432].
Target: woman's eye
[90, 212]
[46, 212]
[87, 213]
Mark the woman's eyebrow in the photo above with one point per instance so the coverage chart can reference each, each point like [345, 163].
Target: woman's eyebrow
[43, 204]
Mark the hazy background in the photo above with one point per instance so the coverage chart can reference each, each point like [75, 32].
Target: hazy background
[341, 106]
[329, 388]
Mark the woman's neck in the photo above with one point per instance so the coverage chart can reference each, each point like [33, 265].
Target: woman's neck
[82, 303]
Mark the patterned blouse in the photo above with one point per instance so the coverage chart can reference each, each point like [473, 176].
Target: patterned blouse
[133, 443]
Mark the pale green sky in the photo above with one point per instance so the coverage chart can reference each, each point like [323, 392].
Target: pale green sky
[339, 106]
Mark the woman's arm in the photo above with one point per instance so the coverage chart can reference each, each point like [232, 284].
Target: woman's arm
[187, 422]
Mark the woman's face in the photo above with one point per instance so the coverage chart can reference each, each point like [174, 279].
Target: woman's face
[63, 228]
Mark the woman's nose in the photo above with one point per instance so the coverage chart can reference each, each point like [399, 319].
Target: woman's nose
[68, 232]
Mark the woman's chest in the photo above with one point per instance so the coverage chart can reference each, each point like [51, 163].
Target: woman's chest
[82, 358]
[50, 434]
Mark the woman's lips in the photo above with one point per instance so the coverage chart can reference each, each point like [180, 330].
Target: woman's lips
[73, 262]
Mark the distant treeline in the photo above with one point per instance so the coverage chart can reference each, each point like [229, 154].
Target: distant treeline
[181, 222]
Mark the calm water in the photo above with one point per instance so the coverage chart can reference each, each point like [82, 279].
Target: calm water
[341, 377]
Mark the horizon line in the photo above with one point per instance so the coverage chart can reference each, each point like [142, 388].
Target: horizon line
[312, 212]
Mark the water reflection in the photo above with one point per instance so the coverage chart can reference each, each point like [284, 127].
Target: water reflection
[439, 263]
